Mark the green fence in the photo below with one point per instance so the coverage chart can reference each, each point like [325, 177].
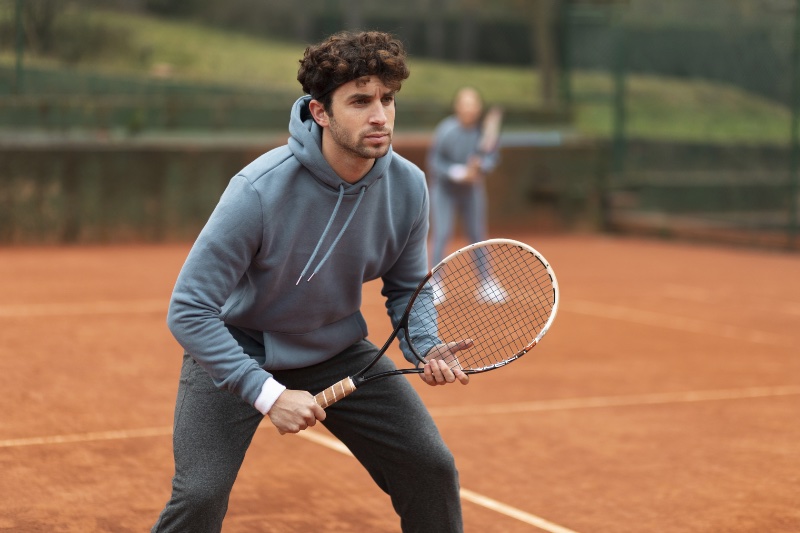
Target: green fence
[705, 127]
[94, 191]
[691, 110]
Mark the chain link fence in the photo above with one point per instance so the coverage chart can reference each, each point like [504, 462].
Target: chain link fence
[705, 117]
[694, 105]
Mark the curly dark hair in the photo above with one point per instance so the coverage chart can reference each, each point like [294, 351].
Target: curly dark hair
[347, 56]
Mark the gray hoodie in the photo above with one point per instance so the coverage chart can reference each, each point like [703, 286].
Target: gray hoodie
[274, 279]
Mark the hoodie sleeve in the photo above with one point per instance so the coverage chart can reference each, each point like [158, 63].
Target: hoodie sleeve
[217, 261]
[400, 282]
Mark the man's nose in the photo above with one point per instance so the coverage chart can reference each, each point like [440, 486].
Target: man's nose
[378, 114]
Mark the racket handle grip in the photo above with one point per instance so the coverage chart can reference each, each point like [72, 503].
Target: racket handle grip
[335, 392]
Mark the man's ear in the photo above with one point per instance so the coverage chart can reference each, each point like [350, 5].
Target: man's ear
[318, 113]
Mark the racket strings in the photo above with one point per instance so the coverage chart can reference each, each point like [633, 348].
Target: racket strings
[499, 296]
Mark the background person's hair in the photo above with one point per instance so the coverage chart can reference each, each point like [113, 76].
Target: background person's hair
[347, 56]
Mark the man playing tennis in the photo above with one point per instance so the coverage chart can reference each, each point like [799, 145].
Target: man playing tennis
[267, 303]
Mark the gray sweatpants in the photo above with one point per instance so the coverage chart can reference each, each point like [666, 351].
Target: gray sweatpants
[384, 424]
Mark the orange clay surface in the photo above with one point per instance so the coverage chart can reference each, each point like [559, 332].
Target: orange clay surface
[666, 398]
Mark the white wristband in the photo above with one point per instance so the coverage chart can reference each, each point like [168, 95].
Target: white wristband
[269, 393]
[457, 172]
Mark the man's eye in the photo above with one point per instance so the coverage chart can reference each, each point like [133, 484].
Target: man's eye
[388, 99]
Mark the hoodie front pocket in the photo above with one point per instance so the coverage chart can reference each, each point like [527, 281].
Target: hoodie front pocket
[299, 350]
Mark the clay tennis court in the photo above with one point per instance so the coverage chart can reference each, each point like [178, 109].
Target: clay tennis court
[665, 398]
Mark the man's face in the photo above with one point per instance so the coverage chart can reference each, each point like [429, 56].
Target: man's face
[362, 117]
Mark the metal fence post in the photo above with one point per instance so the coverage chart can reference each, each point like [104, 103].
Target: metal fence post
[619, 115]
[20, 46]
[794, 176]
[565, 15]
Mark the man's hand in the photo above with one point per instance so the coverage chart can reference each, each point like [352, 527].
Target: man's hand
[294, 411]
[442, 365]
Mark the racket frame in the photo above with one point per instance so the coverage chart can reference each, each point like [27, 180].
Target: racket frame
[344, 387]
[491, 127]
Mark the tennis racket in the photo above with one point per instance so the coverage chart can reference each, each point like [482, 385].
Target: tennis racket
[490, 130]
[487, 144]
[500, 294]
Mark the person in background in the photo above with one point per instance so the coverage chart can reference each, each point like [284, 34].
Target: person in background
[457, 165]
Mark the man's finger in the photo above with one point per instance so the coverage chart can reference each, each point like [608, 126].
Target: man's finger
[461, 376]
[442, 350]
[447, 372]
[436, 370]
[435, 374]
[460, 345]
[318, 412]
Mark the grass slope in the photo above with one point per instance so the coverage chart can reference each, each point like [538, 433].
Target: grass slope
[657, 107]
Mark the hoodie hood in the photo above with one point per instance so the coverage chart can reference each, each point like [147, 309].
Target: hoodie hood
[305, 142]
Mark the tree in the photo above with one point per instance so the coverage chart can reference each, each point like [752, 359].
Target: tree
[544, 36]
[39, 18]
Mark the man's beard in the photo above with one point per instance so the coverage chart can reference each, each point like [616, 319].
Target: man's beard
[353, 145]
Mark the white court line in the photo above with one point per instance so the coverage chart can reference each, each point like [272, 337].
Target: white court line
[617, 401]
[94, 436]
[474, 497]
[542, 405]
[705, 295]
[513, 512]
[692, 325]
[585, 307]
[791, 308]
[84, 308]
[322, 440]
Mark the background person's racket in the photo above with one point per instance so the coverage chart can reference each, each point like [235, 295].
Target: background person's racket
[490, 130]
[500, 294]
[487, 144]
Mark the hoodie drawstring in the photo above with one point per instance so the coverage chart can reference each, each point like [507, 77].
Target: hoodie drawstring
[325, 233]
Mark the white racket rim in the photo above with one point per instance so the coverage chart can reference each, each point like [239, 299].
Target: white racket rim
[526, 248]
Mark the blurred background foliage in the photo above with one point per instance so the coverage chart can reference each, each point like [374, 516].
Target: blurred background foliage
[690, 66]
[653, 114]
